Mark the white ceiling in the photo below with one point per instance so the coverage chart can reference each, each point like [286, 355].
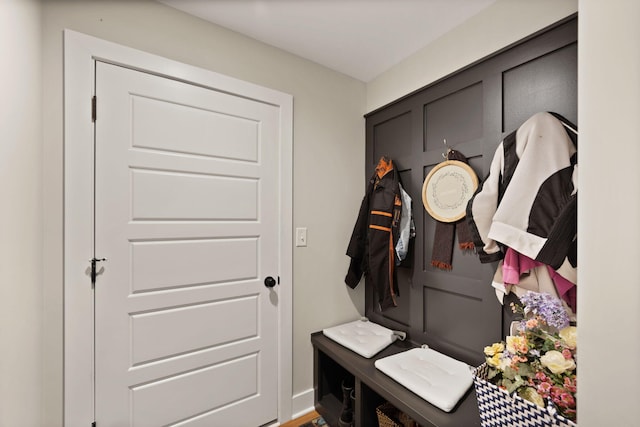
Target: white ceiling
[360, 38]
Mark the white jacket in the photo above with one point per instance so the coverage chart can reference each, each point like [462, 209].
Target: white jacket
[529, 199]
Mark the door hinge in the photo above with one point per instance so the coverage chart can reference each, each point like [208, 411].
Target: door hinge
[94, 270]
[278, 280]
[93, 108]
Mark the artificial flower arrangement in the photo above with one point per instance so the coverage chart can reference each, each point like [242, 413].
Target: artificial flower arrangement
[539, 361]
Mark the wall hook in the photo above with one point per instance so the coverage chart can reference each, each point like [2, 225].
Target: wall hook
[445, 155]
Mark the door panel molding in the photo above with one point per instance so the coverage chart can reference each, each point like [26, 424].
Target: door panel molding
[80, 53]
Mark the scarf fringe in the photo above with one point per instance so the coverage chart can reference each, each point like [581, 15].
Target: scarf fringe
[441, 265]
[466, 246]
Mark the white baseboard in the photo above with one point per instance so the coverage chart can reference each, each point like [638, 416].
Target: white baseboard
[302, 403]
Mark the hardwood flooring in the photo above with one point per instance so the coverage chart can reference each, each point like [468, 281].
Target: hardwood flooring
[301, 420]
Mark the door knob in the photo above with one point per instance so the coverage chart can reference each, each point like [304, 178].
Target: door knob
[269, 282]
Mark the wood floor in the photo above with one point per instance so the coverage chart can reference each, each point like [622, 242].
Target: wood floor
[301, 420]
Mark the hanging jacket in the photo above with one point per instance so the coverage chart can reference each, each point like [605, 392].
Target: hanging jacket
[407, 230]
[528, 201]
[375, 235]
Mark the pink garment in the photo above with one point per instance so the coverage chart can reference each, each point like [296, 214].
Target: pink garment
[515, 264]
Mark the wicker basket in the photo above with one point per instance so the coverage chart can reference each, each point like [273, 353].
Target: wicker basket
[500, 409]
[390, 416]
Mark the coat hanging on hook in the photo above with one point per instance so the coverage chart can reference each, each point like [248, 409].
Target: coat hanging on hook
[374, 240]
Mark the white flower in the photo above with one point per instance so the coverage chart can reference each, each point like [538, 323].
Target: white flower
[556, 363]
[569, 335]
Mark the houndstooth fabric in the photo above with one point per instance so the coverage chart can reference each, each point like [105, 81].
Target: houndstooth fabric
[499, 409]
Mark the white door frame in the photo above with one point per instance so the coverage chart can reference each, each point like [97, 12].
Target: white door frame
[80, 52]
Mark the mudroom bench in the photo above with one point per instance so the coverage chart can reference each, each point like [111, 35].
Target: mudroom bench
[333, 362]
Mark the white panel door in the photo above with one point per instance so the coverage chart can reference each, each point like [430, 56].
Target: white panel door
[186, 207]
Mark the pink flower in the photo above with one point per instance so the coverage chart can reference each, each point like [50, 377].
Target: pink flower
[540, 376]
[564, 400]
[532, 323]
[570, 384]
[556, 392]
[544, 389]
[567, 399]
[567, 354]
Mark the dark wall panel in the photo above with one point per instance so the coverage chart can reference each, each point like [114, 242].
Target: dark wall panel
[549, 82]
[456, 117]
[452, 326]
[392, 136]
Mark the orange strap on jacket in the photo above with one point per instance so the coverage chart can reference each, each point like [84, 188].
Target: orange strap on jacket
[381, 213]
[392, 262]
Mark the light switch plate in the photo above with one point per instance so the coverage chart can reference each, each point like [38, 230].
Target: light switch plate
[301, 236]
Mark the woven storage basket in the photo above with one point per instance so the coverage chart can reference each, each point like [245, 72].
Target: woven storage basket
[500, 409]
[390, 416]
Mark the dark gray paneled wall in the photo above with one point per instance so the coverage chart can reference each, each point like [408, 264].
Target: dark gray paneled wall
[456, 311]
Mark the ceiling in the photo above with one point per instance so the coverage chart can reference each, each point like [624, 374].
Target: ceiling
[360, 38]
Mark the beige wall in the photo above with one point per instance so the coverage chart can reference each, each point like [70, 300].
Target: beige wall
[609, 213]
[20, 214]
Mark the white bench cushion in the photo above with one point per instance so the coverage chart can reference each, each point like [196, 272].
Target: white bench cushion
[364, 337]
[439, 379]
